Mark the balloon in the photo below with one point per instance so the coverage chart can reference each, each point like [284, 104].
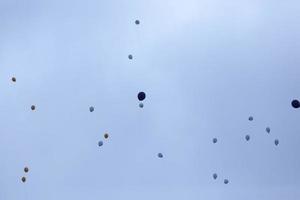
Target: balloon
[106, 135]
[26, 169]
[247, 137]
[33, 107]
[215, 140]
[92, 109]
[160, 155]
[141, 105]
[215, 176]
[276, 142]
[100, 143]
[268, 129]
[295, 103]
[141, 96]
[130, 57]
[226, 181]
[137, 22]
[13, 79]
[250, 118]
[23, 179]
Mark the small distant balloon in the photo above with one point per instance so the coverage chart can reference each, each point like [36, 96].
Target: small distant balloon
[92, 109]
[141, 96]
[247, 137]
[33, 107]
[23, 179]
[250, 118]
[295, 103]
[160, 155]
[137, 22]
[26, 169]
[226, 181]
[130, 57]
[276, 142]
[215, 140]
[215, 176]
[141, 105]
[268, 129]
[106, 135]
[100, 143]
[13, 79]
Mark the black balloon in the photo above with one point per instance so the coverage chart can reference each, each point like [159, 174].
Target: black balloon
[295, 103]
[33, 107]
[23, 179]
[141, 96]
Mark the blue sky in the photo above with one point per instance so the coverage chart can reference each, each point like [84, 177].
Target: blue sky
[206, 66]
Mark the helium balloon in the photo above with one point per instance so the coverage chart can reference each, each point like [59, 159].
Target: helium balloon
[215, 140]
[92, 109]
[276, 142]
[215, 176]
[137, 22]
[106, 135]
[295, 103]
[141, 96]
[160, 155]
[226, 181]
[247, 137]
[26, 169]
[100, 143]
[130, 57]
[13, 79]
[268, 129]
[23, 179]
[250, 118]
[33, 107]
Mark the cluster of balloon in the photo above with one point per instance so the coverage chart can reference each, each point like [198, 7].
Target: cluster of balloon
[32, 107]
[92, 109]
[26, 170]
[141, 97]
[295, 103]
[100, 143]
[215, 176]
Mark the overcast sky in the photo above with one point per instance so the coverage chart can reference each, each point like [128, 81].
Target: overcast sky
[205, 66]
